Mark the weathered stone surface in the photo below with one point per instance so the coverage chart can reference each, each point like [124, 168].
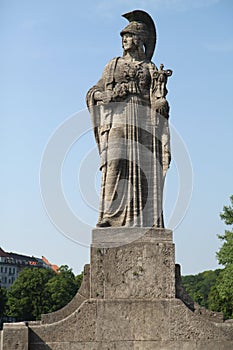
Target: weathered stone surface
[144, 268]
[140, 345]
[153, 320]
[133, 324]
[115, 237]
[14, 336]
[79, 326]
[208, 314]
[180, 290]
[134, 318]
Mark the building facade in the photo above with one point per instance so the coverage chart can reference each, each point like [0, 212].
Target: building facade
[12, 263]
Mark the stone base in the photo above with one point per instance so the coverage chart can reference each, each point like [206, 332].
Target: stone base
[14, 336]
[134, 263]
[131, 324]
[128, 301]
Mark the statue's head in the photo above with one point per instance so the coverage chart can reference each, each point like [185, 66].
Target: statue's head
[139, 33]
[142, 29]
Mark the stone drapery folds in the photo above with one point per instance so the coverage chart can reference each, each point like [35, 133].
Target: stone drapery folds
[130, 114]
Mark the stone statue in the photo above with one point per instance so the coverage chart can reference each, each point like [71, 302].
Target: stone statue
[130, 113]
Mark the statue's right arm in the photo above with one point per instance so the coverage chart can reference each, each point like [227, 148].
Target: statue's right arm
[92, 94]
[102, 91]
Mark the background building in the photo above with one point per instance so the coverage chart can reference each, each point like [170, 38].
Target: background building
[11, 264]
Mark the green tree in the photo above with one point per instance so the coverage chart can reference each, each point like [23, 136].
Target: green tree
[221, 295]
[61, 288]
[78, 280]
[227, 214]
[37, 291]
[3, 300]
[27, 297]
[199, 286]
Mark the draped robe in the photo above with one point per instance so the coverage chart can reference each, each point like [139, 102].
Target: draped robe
[134, 144]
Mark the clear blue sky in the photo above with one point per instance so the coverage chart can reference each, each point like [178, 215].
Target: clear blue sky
[52, 52]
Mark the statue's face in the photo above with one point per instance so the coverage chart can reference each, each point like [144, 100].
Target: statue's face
[128, 42]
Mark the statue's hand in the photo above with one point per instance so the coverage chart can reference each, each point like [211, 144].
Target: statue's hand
[103, 96]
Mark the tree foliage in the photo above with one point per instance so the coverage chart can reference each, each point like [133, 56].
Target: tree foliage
[214, 289]
[227, 214]
[199, 286]
[225, 253]
[3, 300]
[37, 291]
[27, 297]
[61, 288]
[78, 280]
[221, 295]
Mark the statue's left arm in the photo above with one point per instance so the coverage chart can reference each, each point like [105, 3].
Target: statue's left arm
[160, 111]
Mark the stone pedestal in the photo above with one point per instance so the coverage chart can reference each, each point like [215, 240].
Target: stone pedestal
[15, 336]
[132, 263]
[129, 300]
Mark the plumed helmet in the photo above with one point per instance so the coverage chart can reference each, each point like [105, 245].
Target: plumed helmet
[142, 24]
[137, 28]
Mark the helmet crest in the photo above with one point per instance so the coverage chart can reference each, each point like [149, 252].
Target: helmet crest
[142, 24]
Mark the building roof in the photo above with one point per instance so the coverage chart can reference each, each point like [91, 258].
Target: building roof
[29, 260]
[55, 268]
[22, 257]
[3, 253]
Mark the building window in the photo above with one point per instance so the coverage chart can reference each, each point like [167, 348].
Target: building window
[5, 269]
[1, 268]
